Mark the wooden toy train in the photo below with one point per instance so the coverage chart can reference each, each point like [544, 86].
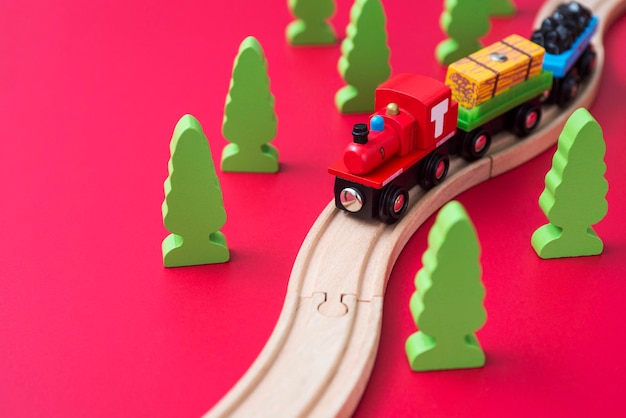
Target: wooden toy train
[419, 121]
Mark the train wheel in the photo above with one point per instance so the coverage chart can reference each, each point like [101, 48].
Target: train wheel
[569, 89]
[527, 118]
[587, 63]
[434, 170]
[394, 202]
[475, 144]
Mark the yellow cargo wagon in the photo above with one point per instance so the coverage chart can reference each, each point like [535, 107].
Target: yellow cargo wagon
[486, 73]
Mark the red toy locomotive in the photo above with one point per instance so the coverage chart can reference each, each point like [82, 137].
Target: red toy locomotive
[406, 146]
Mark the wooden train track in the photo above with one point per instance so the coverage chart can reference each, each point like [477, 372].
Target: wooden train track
[320, 355]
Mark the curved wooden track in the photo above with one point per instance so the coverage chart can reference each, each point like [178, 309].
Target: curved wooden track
[318, 359]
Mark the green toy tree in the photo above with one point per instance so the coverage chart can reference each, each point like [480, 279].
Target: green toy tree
[501, 8]
[575, 194]
[447, 305]
[464, 21]
[193, 210]
[364, 62]
[249, 117]
[311, 26]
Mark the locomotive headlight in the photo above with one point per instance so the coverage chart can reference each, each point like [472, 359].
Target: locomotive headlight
[351, 199]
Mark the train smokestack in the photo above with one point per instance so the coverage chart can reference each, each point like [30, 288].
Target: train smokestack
[360, 133]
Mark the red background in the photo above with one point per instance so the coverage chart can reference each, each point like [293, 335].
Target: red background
[92, 324]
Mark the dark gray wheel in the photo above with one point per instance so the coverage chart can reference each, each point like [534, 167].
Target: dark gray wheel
[587, 63]
[569, 89]
[434, 170]
[475, 144]
[527, 118]
[394, 202]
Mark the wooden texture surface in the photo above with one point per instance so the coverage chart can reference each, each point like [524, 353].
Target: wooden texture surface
[320, 355]
[477, 78]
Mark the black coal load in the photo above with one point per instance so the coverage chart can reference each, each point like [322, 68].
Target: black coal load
[559, 31]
